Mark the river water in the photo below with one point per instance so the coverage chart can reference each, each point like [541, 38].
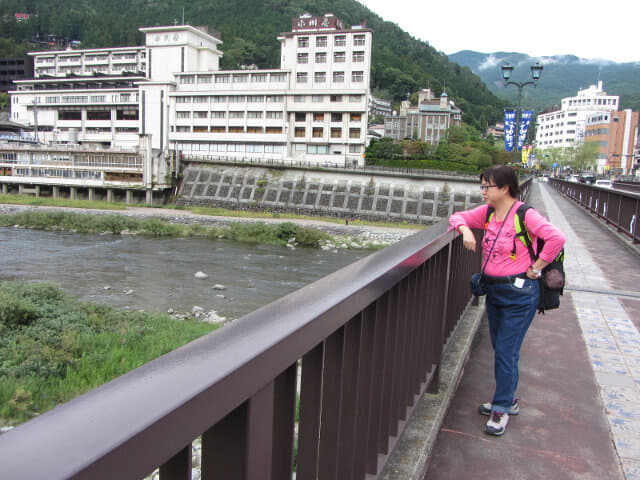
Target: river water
[158, 274]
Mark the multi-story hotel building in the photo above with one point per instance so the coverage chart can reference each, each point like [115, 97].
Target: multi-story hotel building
[616, 134]
[171, 95]
[565, 127]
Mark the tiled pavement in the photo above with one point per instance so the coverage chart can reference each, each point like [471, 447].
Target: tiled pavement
[579, 374]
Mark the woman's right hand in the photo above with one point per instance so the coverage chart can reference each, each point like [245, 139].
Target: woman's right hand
[469, 239]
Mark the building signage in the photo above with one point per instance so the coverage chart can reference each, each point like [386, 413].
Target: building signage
[509, 129]
[314, 23]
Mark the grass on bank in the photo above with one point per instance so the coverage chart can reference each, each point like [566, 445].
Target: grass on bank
[30, 200]
[258, 232]
[55, 347]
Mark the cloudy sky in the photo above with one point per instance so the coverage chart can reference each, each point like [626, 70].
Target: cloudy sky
[588, 28]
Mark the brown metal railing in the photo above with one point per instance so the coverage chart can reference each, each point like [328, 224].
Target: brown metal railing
[357, 348]
[618, 208]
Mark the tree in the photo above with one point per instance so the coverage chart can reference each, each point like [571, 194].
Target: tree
[587, 155]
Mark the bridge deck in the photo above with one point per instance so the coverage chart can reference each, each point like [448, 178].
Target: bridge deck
[579, 373]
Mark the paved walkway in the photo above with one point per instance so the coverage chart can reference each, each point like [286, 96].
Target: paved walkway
[579, 374]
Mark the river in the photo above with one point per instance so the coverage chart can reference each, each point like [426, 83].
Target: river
[158, 274]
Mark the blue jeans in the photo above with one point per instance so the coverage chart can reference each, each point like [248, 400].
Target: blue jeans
[510, 311]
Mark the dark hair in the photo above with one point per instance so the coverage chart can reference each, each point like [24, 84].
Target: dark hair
[502, 175]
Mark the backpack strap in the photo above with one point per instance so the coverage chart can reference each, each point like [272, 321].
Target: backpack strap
[522, 232]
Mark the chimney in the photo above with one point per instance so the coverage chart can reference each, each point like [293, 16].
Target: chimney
[444, 101]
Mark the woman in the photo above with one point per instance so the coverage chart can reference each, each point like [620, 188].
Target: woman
[511, 280]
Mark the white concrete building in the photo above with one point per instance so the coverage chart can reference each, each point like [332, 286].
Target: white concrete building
[172, 93]
[566, 127]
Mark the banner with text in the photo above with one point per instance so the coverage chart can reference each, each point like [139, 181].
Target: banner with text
[509, 129]
[525, 120]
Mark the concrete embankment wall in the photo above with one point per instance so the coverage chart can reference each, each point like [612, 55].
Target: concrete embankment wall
[345, 195]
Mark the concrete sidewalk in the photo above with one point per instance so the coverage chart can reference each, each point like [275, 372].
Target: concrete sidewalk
[579, 374]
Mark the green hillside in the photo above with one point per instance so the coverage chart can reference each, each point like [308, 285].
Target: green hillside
[249, 28]
[563, 76]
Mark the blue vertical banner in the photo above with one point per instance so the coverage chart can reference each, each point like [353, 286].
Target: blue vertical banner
[525, 120]
[509, 129]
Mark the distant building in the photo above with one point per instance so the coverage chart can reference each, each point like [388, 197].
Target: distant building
[14, 69]
[379, 107]
[616, 133]
[496, 131]
[428, 121]
[566, 127]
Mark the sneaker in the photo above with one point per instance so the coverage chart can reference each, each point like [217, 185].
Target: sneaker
[497, 424]
[485, 408]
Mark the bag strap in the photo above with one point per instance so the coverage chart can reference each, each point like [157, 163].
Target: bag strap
[497, 235]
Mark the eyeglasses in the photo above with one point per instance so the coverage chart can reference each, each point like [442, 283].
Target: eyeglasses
[484, 188]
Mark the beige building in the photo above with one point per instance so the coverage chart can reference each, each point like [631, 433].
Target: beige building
[428, 121]
[617, 135]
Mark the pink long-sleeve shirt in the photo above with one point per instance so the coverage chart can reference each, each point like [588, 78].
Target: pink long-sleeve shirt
[501, 262]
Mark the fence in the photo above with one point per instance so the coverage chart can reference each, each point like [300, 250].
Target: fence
[356, 349]
[618, 208]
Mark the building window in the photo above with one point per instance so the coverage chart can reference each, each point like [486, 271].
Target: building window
[219, 99]
[318, 149]
[254, 114]
[303, 42]
[338, 77]
[358, 39]
[301, 117]
[218, 129]
[299, 98]
[254, 129]
[358, 57]
[183, 129]
[274, 130]
[218, 114]
[183, 99]
[317, 98]
[336, 133]
[278, 77]
[187, 79]
[340, 40]
[354, 148]
[299, 132]
[274, 115]
[303, 58]
[354, 133]
[357, 77]
[236, 130]
[339, 57]
[236, 115]
[200, 129]
[317, 132]
[275, 98]
[199, 114]
[301, 77]
[222, 78]
[336, 98]
[240, 78]
[355, 98]
[204, 99]
[320, 77]
[321, 41]
[336, 117]
[259, 78]
[321, 57]
[236, 98]
[356, 117]
[70, 115]
[318, 117]
[183, 115]
[255, 98]
[204, 78]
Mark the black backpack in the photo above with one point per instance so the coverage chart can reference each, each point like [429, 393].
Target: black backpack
[552, 279]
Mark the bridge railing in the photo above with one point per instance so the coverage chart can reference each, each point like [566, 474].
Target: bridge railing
[618, 208]
[331, 371]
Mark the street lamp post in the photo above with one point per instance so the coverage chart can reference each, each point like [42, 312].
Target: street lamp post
[536, 71]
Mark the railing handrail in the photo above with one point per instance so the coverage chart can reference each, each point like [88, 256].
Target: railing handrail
[181, 394]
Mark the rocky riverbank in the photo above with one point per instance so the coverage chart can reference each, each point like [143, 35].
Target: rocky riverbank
[346, 235]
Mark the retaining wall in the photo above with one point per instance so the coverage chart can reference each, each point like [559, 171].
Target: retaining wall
[318, 193]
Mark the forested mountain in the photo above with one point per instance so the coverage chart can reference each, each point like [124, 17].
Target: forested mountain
[249, 28]
[563, 76]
